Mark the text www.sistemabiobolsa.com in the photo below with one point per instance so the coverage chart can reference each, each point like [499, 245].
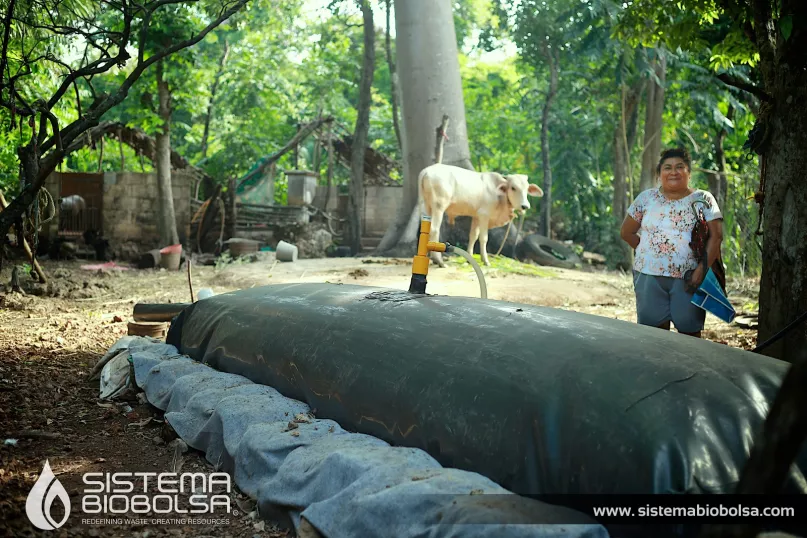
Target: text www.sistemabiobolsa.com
[721, 510]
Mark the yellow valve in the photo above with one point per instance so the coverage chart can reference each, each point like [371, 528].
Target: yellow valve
[420, 263]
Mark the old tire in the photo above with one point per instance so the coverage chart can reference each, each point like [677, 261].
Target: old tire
[495, 237]
[545, 251]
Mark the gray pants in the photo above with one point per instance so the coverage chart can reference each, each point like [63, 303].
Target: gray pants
[662, 298]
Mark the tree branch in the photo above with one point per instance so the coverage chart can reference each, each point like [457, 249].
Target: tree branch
[93, 115]
[45, 164]
[745, 86]
[304, 131]
[6, 35]
[54, 123]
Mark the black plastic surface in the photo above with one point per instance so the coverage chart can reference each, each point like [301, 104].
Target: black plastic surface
[540, 400]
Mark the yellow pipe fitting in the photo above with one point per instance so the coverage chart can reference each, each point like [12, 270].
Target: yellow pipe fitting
[420, 262]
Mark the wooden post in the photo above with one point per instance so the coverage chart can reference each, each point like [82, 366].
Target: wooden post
[230, 212]
[120, 145]
[39, 272]
[297, 150]
[440, 141]
[330, 171]
[101, 156]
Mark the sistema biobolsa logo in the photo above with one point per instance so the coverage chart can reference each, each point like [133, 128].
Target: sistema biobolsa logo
[160, 493]
[188, 495]
[40, 500]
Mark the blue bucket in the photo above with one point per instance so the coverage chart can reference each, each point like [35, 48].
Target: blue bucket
[710, 297]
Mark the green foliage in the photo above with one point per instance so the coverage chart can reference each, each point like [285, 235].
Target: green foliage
[285, 67]
[501, 265]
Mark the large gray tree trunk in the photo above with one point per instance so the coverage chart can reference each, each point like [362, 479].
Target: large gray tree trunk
[359, 146]
[430, 86]
[653, 127]
[167, 222]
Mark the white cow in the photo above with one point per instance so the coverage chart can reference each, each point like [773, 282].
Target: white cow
[489, 197]
[73, 204]
[71, 212]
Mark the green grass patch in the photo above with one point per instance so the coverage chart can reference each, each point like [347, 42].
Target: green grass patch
[501, 264]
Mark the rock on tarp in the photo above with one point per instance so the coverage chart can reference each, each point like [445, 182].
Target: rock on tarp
[539, 400]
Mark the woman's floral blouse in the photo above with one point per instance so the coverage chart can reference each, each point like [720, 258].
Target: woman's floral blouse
[666, 229]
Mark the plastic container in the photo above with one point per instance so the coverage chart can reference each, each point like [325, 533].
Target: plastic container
[286, 252]
[170, 257]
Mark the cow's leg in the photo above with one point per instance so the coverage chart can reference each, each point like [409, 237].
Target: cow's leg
[472, 237]
[483, 239]
[434, 235]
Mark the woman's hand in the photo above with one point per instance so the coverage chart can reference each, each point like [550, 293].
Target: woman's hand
[696, 279]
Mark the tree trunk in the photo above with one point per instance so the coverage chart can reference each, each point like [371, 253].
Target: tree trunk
[393, 81]
[653, 128]
[546, 202]
[620, 185]
[359, 146]
[167, 222]
[718, 183]
[230, 213]
[426, 50]
[624, 139]
[211, 104]
[783, 287]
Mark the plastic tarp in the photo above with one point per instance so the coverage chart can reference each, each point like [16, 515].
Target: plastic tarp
[344, 484]
[539, 400]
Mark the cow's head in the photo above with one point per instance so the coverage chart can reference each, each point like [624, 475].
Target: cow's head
[516, 187]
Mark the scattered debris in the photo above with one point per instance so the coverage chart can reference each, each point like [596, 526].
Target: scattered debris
[291, 426]
[111, 266]
[37, 434]
[747, 321]
[356, 273]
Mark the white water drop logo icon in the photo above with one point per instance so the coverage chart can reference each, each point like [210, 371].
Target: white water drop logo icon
[39, 501]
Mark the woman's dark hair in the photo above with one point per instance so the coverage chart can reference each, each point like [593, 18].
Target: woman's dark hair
[681, 153]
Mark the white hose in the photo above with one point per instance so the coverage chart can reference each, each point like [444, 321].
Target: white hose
[483, 288]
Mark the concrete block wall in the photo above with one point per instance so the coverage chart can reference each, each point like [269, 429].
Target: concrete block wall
[381, 206]
[130, 206]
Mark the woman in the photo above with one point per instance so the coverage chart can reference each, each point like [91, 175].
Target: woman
[659, 228]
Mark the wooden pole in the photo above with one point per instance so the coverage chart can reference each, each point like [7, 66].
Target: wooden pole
[39, 272]
[440, 140]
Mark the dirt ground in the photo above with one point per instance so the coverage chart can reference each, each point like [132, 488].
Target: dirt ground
[49, 344]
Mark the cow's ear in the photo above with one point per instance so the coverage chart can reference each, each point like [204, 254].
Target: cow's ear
[502, 188]
[534, 190]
